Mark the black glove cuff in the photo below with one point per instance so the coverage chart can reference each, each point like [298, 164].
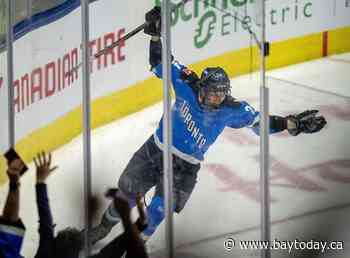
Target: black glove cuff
[278, 123]
[293, 131]
[153, 29]
[155, 53]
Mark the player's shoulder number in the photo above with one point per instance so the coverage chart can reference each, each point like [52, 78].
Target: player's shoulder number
[249, 109]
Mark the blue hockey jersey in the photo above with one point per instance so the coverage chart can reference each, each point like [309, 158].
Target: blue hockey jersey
[11, 238]
[195, 129]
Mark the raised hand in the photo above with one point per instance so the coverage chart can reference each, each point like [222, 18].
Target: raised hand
[14, 170]
[43, 167]
[120, 203]
[153, 22]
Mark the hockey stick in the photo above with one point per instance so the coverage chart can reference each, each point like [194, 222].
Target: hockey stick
[125, 37]
[122, 39]
[134, 32]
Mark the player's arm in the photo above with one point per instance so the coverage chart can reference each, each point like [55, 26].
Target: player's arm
[305, 122]
[276, 124]
[251, 119]
[153, 28]
[179, 73]
[244, 115]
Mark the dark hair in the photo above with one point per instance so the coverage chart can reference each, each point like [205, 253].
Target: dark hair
[68, 243]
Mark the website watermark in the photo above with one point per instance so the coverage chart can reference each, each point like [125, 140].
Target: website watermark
[288, 245]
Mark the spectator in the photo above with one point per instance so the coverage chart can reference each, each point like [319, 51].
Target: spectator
[11, 227]
[69, 242]
[129, 241]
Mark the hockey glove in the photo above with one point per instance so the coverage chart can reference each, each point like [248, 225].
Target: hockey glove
[306, 122]
[153, 22]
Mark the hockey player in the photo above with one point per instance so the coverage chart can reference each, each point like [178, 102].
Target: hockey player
[203, 108]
